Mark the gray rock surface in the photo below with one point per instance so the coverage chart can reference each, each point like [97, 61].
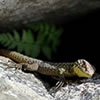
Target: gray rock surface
[18, 85]
[14, 13]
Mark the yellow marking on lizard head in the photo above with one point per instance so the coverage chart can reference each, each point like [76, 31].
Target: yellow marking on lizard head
[82, 68]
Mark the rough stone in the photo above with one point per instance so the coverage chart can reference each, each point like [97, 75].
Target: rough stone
[14, 13]
[18, 85]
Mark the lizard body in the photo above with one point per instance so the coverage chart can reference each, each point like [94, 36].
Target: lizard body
[80, 68]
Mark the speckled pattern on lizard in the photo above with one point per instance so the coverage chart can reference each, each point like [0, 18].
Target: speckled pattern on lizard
[79, 68]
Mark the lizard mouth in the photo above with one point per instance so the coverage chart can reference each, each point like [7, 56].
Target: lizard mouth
[85, 69]
[81, 73]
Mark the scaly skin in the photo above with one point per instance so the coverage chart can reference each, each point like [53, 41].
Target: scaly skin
[80, 68]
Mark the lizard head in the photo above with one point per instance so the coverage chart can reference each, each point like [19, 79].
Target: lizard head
[83, 68]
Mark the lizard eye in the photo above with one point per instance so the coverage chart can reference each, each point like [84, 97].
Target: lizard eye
[82, 63]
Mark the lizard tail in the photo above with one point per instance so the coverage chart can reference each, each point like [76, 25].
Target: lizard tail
[20, 58]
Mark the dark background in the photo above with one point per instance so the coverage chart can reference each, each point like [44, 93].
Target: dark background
[80, 40]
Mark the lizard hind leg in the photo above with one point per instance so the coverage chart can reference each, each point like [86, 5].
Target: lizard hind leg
[14, 65]
[29, 67]
[23, 66]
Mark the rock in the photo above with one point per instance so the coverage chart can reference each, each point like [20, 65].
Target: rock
[14, 13]
[18, 85]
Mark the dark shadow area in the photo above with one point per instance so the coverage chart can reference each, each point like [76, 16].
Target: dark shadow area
[80, 40]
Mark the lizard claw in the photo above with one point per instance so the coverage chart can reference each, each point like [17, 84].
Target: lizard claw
[17, 66]
[59, 84]
[54, 89]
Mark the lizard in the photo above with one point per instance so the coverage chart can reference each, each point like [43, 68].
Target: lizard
[79, 68]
